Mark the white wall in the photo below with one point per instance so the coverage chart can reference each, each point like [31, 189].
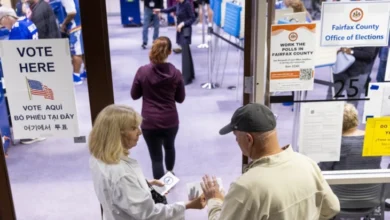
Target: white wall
[113, 7]
[6, 2]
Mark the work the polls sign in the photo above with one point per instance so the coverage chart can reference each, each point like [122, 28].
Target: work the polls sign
[39, 86]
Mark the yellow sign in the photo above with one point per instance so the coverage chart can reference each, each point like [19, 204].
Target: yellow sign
[377, 139]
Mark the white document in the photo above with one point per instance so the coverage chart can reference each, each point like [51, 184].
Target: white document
[169, 180]
[194, 190]
[320, 130]
[379, 103]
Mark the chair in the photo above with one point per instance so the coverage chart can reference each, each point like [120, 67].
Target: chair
[357, 201]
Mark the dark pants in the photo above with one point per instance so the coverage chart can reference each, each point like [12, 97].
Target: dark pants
[156, 139]
[187, 64]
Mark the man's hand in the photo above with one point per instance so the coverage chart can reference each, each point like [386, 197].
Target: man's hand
[173, 14]
[180, 26]
[156, 11]
[211, 188]
[198, 203]
[156, 183]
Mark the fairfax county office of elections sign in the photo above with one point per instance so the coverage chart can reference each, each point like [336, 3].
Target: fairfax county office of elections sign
[350, 24]
[40, 90]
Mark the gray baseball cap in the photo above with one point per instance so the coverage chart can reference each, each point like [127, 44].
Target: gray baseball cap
[7, 11]
[252, 117]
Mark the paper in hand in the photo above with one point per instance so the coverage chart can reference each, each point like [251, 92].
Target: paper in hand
[169, 180]
[194, 190]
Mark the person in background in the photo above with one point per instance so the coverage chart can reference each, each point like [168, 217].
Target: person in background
[205, 3]
[352, 146]
[185, 19]
[298, 6]
[41, 14]
[356, 75]
[278, 183]
[149, 16]
[383, 56]
[20, 29]
[118, 180]
[3, 140]
[19, 8]
[160, 85]
[71, 25]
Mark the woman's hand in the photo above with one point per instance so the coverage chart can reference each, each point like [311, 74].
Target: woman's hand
[198, 203]
[156, 11]
[211, 188]
[156, 183]
[180, 26]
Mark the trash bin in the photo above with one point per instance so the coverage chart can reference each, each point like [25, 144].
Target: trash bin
[130, 13]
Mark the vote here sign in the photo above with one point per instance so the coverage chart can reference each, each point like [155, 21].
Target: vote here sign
[355, 24]
[39, 85]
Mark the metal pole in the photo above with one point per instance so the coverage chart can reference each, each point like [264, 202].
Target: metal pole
[204, 44]
[297, 110]
[209, 84]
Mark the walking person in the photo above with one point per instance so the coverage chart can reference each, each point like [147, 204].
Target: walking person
[150, 17]
[160, 85]
[185, 18]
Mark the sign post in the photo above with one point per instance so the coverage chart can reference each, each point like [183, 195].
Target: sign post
[359, 24]
[40, 90]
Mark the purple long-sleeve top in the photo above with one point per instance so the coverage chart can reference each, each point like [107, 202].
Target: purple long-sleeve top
[160, 86]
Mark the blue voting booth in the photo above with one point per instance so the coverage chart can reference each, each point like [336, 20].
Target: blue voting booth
[232, 19]
[5, 127]
[130, 13]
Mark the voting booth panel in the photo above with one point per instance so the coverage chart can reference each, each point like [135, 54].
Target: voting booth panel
[130, 13]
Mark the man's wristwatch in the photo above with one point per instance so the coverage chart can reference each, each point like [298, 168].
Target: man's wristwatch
[351, 52]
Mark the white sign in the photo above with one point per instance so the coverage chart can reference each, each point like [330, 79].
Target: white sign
[350, 24]
[40, 88]
[169, 181]
[320, 130]
[292, 57]
[378, 104]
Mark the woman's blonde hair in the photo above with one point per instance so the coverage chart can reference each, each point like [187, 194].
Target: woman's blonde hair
[105, 139]
[350, 119]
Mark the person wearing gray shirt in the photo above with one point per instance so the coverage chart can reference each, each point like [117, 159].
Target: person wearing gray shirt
[352, 146]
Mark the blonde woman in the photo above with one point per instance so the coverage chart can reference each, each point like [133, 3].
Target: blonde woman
[352, 146]
[118, 179]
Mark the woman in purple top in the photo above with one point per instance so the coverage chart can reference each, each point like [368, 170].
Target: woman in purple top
[161, 85]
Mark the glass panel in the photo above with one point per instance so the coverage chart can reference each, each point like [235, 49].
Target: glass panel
[48, 176]
[213, 91]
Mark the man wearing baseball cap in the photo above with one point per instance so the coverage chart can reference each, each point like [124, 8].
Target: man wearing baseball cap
[20, 28]
[279, 184]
